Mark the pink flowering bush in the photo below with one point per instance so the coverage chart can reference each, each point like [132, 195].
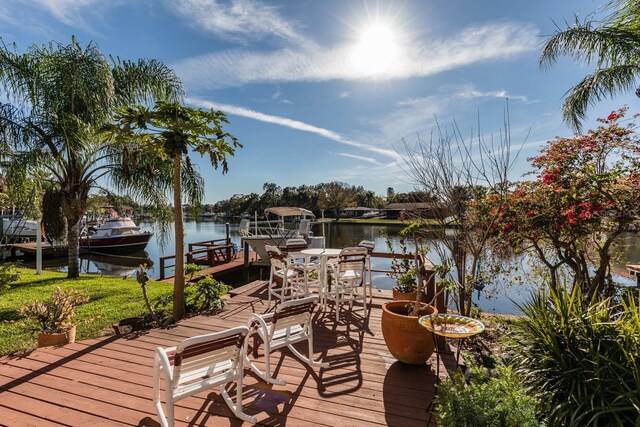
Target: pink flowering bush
[586, 193]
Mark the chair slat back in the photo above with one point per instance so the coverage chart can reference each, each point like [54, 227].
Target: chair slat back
[207, 350]
[352, 259]
[294, 313]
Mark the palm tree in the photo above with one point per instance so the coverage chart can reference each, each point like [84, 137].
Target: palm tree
[612, 44]
[168, 132]
[63, 95]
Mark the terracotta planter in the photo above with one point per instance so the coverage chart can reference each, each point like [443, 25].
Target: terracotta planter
[46, 340]
[406, 340]
[130, 324]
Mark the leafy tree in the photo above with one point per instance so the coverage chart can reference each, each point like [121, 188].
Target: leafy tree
[168, 132]
[585, 195]
[611, 44]
[63, 94]
[335, 196]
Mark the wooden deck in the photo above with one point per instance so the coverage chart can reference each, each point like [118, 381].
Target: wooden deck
[234, 265]
[108, 381]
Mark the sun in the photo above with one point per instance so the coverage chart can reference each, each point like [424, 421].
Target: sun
[376, 51]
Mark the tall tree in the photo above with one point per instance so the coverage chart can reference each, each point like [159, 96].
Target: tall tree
[612, 44]
[63, 94]
[169, 131]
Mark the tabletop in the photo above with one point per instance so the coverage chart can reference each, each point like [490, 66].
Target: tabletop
[321, 252]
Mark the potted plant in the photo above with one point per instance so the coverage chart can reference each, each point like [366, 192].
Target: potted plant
[403, 271]
[406, 340]
[55, 316]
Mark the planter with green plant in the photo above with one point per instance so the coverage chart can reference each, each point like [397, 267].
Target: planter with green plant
[406, 340]
[403, 271]
[54, 318]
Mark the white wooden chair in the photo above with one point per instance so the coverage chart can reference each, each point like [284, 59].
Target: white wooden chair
[198, 364]
[368, 280]
[347, 276]
[289, 324]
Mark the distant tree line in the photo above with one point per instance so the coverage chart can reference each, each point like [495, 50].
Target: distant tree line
[332, 197]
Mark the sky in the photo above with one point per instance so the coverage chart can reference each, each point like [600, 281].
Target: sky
[328, 90]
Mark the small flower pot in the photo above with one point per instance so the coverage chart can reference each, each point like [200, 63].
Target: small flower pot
[47, 340]
[130, 324]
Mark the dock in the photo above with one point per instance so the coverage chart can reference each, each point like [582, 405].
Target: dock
[108, 381]
[48, 250]
[233, 266]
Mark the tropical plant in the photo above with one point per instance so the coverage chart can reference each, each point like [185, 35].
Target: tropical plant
[167, 132]
[611, 44]
[586, 194]
[9, 274]
[206, 295]
[63, 94]
[142, 278]
[581, 360]
[485, 398]
[55, 315]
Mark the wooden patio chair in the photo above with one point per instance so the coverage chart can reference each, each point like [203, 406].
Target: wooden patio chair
[289, 324]
[198, 364]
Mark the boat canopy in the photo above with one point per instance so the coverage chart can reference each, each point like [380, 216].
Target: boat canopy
[289, 211]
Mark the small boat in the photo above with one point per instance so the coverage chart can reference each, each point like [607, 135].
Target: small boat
[115, 234]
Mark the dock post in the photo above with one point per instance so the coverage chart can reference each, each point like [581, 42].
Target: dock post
[228, 256]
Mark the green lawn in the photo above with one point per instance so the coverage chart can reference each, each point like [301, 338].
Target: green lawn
[112, 299]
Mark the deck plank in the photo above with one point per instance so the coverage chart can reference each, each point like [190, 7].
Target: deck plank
[107, 381]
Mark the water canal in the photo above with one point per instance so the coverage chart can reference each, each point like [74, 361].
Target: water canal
[500, 297]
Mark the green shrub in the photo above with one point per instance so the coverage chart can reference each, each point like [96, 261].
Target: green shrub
[9, 274]
[206, 295]
[489, 399]
[581, 360]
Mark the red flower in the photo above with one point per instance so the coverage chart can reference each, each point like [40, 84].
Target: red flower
[612, 116]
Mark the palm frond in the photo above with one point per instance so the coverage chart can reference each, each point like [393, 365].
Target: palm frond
[593, 88]
[604, 46]
[145, 81]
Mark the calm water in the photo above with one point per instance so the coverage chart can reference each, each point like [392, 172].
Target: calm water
[499, 298]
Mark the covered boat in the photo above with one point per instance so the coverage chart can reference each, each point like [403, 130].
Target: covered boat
[257, 234]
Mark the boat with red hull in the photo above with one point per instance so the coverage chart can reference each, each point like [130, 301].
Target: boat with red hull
[115, 235]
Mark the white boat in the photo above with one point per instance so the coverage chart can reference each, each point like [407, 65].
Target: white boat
[14, 227]
[115, 234]
[257, 234]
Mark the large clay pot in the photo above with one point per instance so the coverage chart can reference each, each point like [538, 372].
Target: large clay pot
[46, 340]
[406, 340]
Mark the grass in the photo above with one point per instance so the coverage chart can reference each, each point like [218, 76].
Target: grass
[112, 299]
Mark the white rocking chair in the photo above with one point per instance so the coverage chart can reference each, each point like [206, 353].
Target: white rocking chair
[289, 324]
[198, 364]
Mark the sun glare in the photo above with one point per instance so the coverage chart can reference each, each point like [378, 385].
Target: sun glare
[376, 51]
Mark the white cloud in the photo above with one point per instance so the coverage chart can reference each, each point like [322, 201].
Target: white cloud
[238, 19]
[295, 124]
[239, 67]
[470, 92]
[345, 94]
[362, 158]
